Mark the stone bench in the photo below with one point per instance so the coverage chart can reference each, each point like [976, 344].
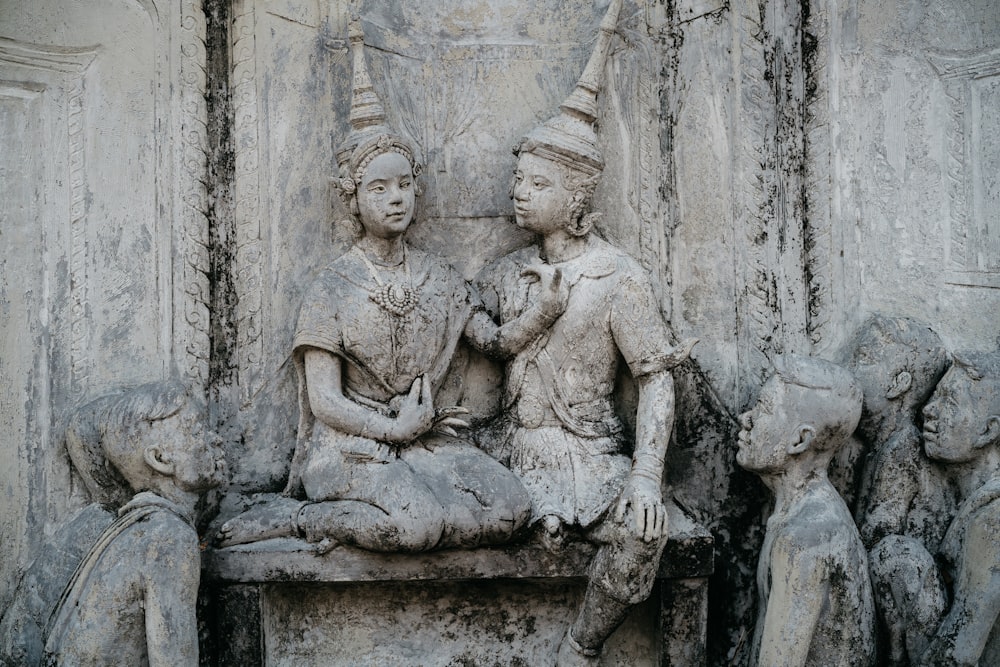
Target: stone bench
[278, 602]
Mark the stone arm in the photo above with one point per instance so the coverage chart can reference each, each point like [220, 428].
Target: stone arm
[799, 584]
[654, 423]
[962, 635]
[500, 341]
[329, 404]
[173, 570]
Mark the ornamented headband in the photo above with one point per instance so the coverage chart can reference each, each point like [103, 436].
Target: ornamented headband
[370, 136]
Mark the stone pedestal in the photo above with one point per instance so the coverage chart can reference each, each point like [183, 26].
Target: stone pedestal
[279, 603]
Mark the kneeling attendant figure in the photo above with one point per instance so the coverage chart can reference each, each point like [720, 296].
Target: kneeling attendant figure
[132, 599]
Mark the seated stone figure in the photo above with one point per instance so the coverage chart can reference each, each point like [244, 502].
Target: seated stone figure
[376, 465]
[132, 597]
[904, 502]
[815, 597]
[566, 444]
[962, 431]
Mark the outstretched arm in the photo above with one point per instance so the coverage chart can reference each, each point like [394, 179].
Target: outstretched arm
[502, 341]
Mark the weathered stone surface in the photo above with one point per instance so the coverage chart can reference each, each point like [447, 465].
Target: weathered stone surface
[103, 169]
[122, 589]
[950, 616]
[503, 605]
[814, 590]
[780, 170]
[688, 554]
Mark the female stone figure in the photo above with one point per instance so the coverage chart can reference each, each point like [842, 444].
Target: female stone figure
[378, 466]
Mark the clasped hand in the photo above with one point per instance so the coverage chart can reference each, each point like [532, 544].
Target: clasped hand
[416, 415]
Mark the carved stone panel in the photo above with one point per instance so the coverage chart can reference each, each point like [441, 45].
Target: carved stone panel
[95, 227]
[972, 245]
[912, 98]
[465, 81]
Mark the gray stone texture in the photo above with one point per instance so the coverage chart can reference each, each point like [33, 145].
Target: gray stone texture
[781, 171]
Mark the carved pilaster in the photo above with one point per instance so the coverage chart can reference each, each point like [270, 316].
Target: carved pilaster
[970, 83]
[246, 203]
[192, 189]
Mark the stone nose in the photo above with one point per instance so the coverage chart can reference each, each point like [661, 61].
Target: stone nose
[395, 194]
[521, 192]
[746, 421]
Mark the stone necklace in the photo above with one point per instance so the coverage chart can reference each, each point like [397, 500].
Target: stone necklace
[397, 299]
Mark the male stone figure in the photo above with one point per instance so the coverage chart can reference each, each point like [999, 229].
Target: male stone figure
[132, 598]
[566, 442]
[962, 431]
[897, 362]
[815, 595]
[904, 504]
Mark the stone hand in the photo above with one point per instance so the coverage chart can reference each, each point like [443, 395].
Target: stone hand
[554, 292]
[650, 515]
[446, 420]
[416, 413]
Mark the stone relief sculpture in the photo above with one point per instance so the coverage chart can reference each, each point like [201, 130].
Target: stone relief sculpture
[565, 443]
[377, 466]
[132, 595]
[962, 433]
[904, 504]
[897, 362]
[815, 597]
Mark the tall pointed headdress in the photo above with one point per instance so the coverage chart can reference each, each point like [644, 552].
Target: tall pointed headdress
[370, 136]
[569, 138]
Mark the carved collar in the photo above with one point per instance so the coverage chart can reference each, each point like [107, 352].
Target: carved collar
[599, 259]
[150, 499]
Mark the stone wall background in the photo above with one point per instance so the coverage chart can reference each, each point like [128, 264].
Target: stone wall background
[783, 169]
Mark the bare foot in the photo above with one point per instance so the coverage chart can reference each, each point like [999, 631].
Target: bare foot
[274, 518]
[572, 654]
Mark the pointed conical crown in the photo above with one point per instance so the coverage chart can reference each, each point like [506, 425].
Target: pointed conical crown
[369, 135]
[366, 109]
[569, 138]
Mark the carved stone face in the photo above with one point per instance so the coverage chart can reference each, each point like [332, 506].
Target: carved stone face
[386, 196]
[541, 203]
[195, 451]
[954, 418]
[767, 429]
[873, 364]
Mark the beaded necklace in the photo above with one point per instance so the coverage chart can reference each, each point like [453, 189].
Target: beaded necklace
[397, 299]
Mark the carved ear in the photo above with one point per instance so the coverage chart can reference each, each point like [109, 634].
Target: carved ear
[900, 385]
[804, 435]
[583, 225]
[155, 459]
[991, 433]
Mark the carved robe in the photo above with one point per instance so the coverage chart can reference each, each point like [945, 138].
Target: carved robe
[567, 445]
[436, 480]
